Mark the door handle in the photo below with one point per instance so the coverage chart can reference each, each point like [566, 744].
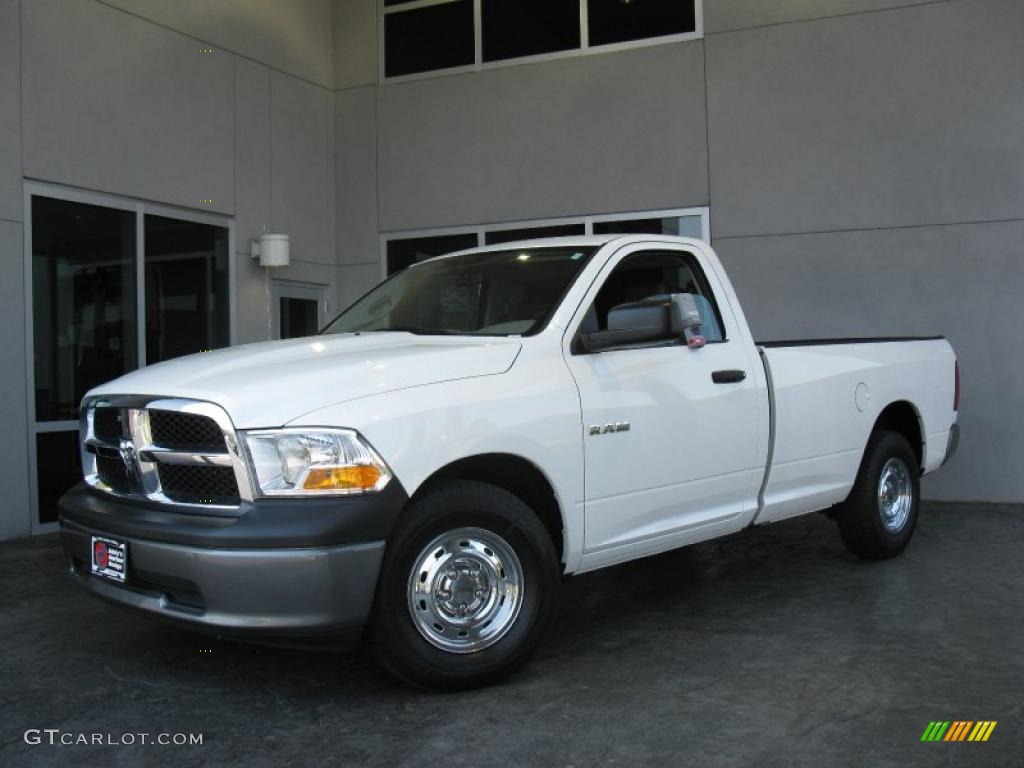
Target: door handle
[728, 377]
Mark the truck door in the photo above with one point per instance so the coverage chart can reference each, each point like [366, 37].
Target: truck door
[670, 432]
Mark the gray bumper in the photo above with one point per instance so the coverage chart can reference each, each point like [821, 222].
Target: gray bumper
[247, 592]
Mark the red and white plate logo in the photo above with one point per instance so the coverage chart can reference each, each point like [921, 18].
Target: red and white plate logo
[101, 555]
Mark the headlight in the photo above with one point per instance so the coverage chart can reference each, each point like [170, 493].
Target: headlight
[290, 462]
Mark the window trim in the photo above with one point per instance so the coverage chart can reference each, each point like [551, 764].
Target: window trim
[587, 221]
[140, 209]
[479, 65]
[296, 289]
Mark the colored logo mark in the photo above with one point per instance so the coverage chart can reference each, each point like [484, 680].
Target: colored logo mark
[958, 730]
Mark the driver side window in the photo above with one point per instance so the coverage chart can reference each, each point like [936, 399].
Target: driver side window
[653, 275]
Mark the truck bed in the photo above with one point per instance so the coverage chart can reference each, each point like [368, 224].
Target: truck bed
[826, 396]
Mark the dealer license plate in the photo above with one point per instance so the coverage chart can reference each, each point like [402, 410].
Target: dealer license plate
[109, 558]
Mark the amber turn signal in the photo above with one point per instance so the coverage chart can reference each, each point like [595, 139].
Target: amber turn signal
[362, 477]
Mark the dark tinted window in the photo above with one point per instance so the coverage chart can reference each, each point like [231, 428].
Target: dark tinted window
[616, 21]
[684, 226]
[528, 233]
[496, 293]
[58, 467]
[513, 28]
[650, 276]
[186, 288]
[424, 39]
[298, 317]
[637, 227]
[83, 301]
[402, 253]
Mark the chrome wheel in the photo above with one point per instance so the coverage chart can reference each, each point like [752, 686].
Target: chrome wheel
[465, 590]
[895, 494]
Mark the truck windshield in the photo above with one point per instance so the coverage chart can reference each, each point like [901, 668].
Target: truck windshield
[495, 293]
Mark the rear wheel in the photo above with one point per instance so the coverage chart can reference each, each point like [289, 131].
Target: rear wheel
[468, 587]
[878, 518]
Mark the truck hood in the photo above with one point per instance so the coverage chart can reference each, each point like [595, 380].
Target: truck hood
[271, 383]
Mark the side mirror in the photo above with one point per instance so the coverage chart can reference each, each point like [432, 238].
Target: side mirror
[667, 317]
[689, 318]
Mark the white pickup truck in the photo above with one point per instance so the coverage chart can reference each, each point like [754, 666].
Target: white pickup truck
[431, 464]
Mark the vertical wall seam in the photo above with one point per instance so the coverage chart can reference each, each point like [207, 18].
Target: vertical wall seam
[234, 139]
[26, 278]
[21, 88]
[268, 219]
[707, 134]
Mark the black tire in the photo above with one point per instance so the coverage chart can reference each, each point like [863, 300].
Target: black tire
[866, 523]
[402, 647]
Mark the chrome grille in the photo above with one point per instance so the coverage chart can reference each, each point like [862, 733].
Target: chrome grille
[198, 484]
[113, 471]
[186, 431]
[108, 426]
[172, 451]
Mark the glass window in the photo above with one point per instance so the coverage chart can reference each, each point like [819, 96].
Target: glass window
[428, 38]
[685, 226]
[83, 301]
[652, 276]
[513, 28]
[617, 21]
[401, 253]
[529, 233]
[298, 317]
[498, 293]
[58, 467]
[186, 287]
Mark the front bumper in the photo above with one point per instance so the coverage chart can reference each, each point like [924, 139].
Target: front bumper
[286, 569]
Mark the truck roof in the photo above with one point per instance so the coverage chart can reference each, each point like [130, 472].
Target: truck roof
[583, 241]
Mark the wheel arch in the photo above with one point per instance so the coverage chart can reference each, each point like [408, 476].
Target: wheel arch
[515, 474]
[902, 417]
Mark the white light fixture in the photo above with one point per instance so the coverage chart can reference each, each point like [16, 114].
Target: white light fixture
[272, 250]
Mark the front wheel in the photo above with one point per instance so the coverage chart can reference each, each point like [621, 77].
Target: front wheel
[468, 587]
[878, 518]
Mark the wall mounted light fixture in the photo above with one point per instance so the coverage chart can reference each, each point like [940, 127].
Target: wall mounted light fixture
[272, 250]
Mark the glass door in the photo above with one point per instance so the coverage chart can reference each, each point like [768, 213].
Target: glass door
[102, 269]
[186, 287]
[84, 328]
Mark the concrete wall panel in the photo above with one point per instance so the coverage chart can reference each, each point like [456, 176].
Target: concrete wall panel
[355, 46]
[914, 116]
[252, 151]
[290, 35]
[116, 104]
[355, 173]
[725, 15]
[10, 111]
[300, 167]
[14, 479]
[588, 134]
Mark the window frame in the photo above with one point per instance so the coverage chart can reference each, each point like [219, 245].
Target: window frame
[140, 209]
[646, 249]
[479, 65]
[588, 221]
[294, 289]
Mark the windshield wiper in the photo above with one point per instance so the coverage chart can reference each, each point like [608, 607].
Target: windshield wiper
[417, 330]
